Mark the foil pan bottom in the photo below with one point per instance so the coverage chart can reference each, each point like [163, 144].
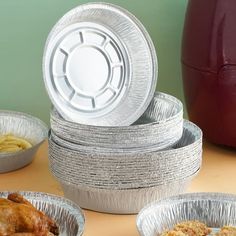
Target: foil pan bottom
[128, 201]
[14, 161]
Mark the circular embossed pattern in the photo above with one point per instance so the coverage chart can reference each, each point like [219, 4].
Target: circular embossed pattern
[88, 67]
[100, 66]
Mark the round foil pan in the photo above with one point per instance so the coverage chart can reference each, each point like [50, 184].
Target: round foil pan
[122, 170]
[24, 126]
[67, 215]
[100, 66]
[161, 126]
[214, 209]
[121, 201]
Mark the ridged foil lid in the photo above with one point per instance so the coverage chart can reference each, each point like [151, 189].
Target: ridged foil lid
[100, 66]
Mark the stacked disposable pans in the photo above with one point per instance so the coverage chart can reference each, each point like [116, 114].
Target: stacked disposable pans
[114, 144]
[102, 176]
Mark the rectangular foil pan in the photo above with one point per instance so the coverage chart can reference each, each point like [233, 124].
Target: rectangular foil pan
[214, 209]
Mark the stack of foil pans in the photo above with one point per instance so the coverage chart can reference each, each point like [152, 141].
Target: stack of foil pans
[123, 169]
[213, 209]
[115, 145]
[160, 126]
[107, 179]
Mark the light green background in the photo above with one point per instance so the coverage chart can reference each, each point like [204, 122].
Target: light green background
[25, 24]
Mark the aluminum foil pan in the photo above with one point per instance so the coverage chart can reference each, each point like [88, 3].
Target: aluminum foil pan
[100, 66]
[121, 201]
[160, 126]
[214, 209]
[124, 171]
[24, 126]
[67, 215]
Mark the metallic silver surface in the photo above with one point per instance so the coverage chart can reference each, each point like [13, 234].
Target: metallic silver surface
[161, 126]
[24, 126]
[125, 170]
[100, 66]
[128, 201]
[67, 214]
[89, 68]
[214, 209]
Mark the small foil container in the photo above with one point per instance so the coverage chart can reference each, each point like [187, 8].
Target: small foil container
[161, 126]
[24, 126]
[214, 209]
[122, 170]
[121, 201]
[100, 66]
[68, 216]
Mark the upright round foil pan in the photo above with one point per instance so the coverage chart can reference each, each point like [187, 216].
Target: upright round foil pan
[100, 66]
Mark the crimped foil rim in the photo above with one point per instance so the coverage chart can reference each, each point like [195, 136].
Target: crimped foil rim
[112, 189]
[161, 95]
[194, 129]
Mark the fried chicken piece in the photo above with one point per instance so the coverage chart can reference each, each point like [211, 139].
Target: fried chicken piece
[188, 228]
[20, 217]
[227, 231]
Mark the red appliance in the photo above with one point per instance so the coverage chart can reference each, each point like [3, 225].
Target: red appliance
[209, 68]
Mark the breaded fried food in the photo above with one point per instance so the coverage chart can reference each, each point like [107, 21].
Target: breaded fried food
[188, 228]
[173, 233]
[227, 231]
